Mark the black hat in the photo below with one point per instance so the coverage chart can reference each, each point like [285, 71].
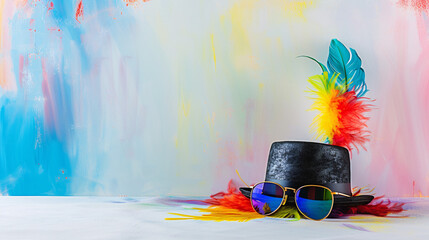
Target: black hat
[294, 164]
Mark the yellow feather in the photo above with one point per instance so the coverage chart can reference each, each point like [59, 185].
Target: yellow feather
[325, 90]
[219, 213]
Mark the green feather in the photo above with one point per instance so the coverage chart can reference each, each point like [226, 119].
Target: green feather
[287, 212]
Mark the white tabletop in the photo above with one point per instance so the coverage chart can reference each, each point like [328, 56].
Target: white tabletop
[144, 218]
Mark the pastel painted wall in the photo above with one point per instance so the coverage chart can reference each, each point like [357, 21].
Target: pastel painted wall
[132, 97]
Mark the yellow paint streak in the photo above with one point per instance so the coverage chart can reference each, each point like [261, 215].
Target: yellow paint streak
[176, 141]
[240, 15]
[3, 81]
[240, 19]
[184, 106]
[183, 110]
[369, 219]
[371, 223]
[213, 48]
[296, 9]
[211, 120]
[421, 195]
[7, 81]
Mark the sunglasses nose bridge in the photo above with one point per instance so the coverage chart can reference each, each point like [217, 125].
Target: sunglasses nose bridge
[286, 194]
[284, 199]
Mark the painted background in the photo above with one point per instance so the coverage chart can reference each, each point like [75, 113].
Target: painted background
[134, 98]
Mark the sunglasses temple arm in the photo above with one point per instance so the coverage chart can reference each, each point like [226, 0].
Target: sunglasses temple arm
[342, 194]
[241, 178]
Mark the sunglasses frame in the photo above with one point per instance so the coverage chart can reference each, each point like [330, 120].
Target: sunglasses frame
[296, 191]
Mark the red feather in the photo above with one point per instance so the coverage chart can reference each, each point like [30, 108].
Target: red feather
[351, 130]
[232, 198]
[378, 207]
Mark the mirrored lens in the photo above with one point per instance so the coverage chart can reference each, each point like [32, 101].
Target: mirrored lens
[266, 198]
[314, 202]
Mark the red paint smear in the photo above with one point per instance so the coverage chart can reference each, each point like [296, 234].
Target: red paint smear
[128, 2]
[79, 11]
[33, 2]
[418, 5]
[50, 6]
[31, 25]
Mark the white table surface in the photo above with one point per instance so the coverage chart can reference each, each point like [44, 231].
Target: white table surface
[144, 218]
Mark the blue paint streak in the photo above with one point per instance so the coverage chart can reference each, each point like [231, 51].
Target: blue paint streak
[27, 169]
[36, 156]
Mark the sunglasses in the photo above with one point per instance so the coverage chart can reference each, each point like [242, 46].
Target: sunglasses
[313, 201]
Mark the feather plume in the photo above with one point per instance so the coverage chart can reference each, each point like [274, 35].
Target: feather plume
[338, 97]
[232, 206]
[341, 120]
[221, 208]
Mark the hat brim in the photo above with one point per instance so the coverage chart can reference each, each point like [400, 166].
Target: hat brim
[339, 201]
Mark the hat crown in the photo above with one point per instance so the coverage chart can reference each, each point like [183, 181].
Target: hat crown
[294, 164]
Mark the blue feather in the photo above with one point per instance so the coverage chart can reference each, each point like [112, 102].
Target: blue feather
[348, 64]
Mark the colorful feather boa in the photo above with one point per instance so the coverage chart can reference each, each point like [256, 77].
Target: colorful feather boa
[338, 97]
[234, 206]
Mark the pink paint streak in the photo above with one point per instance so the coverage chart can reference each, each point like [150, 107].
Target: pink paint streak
[23, 64]
[21, 3]
[423, 91]
[399, 158]
[79, 11]
[389, 149]
[418, 5]
[32, 26]
[47, 93]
